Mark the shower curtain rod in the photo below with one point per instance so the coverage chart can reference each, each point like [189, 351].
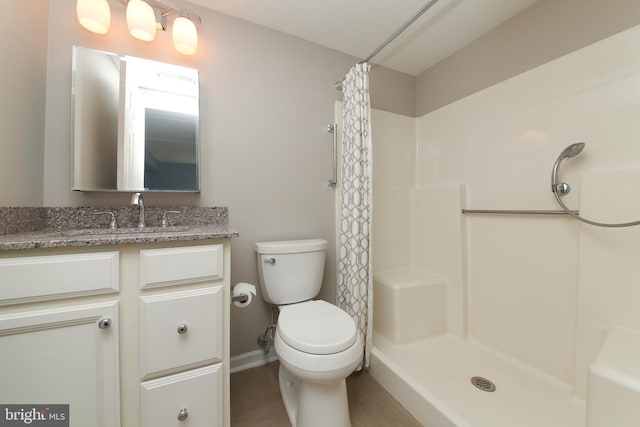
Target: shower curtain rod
[400, 30]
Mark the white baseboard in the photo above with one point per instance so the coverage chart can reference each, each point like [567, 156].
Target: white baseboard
[252, 359]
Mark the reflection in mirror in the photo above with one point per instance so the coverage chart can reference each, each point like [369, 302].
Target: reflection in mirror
[135, 124]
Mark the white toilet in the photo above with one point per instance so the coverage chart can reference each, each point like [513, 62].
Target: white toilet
[317, 343]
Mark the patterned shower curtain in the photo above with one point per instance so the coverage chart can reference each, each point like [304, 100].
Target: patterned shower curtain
[354, 281]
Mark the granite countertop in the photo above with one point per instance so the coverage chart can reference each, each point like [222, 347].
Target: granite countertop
[31, 228]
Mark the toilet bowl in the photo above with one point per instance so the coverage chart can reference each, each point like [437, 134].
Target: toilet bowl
[317, 343]
[318, 347]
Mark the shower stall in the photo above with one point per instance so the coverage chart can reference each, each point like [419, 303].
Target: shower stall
[483, 319]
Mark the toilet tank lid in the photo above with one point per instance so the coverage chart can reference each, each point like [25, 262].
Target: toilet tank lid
[291, 246]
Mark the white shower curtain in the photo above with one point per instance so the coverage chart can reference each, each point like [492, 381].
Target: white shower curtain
[354, 281]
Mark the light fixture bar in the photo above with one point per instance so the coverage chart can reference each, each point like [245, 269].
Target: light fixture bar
[169, 8]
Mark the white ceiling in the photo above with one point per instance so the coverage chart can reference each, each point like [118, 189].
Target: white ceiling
[357, 27]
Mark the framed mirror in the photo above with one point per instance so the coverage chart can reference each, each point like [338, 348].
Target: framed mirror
[134, 124]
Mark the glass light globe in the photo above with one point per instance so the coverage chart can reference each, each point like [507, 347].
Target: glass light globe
[94, 15]
[141, 20]
[185, 36]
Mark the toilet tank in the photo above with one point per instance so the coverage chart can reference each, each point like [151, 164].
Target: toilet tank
[290, 271]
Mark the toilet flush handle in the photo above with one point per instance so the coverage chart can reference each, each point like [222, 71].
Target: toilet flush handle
[270, 260]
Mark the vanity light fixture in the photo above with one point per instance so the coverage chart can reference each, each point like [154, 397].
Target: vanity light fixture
[144, 17]
[94, 15]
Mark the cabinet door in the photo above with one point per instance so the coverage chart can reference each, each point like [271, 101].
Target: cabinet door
[192, 398]
[63, 356]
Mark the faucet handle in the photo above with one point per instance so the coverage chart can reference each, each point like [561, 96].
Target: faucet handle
[113, 223]
[165, 220]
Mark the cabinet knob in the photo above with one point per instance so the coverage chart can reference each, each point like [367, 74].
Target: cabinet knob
[183, 414]
[104, 323]
[182, 328]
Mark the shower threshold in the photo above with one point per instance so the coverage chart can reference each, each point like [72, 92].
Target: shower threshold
[432, 379]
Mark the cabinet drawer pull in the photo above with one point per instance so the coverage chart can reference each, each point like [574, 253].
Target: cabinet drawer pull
[182, 328]
[183, 414]
[104, 323]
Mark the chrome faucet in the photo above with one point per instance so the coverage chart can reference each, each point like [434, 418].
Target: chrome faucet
[137, 200]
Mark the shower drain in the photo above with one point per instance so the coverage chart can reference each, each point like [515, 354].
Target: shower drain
[483, 384]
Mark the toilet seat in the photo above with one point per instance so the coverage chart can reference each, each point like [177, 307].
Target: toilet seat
[316, 327]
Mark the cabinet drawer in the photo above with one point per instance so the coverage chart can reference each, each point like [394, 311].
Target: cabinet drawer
[180, 330]
[164, 267]
[27, 279]
[191, 398]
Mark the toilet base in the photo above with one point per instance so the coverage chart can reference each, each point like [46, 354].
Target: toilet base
[314, 404]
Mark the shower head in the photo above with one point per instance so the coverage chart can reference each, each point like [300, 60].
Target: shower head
[572, 150]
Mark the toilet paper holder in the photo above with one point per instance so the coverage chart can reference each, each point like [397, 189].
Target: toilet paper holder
[242, 293]
[240, 298]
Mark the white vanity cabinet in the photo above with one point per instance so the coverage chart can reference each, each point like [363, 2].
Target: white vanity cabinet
[136, 335]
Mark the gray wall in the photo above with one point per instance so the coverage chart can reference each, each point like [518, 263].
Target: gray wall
[545, 31]
[266, 99]
[23, 47]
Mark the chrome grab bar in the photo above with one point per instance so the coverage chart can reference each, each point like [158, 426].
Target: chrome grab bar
[333, 128]
[517, 211]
